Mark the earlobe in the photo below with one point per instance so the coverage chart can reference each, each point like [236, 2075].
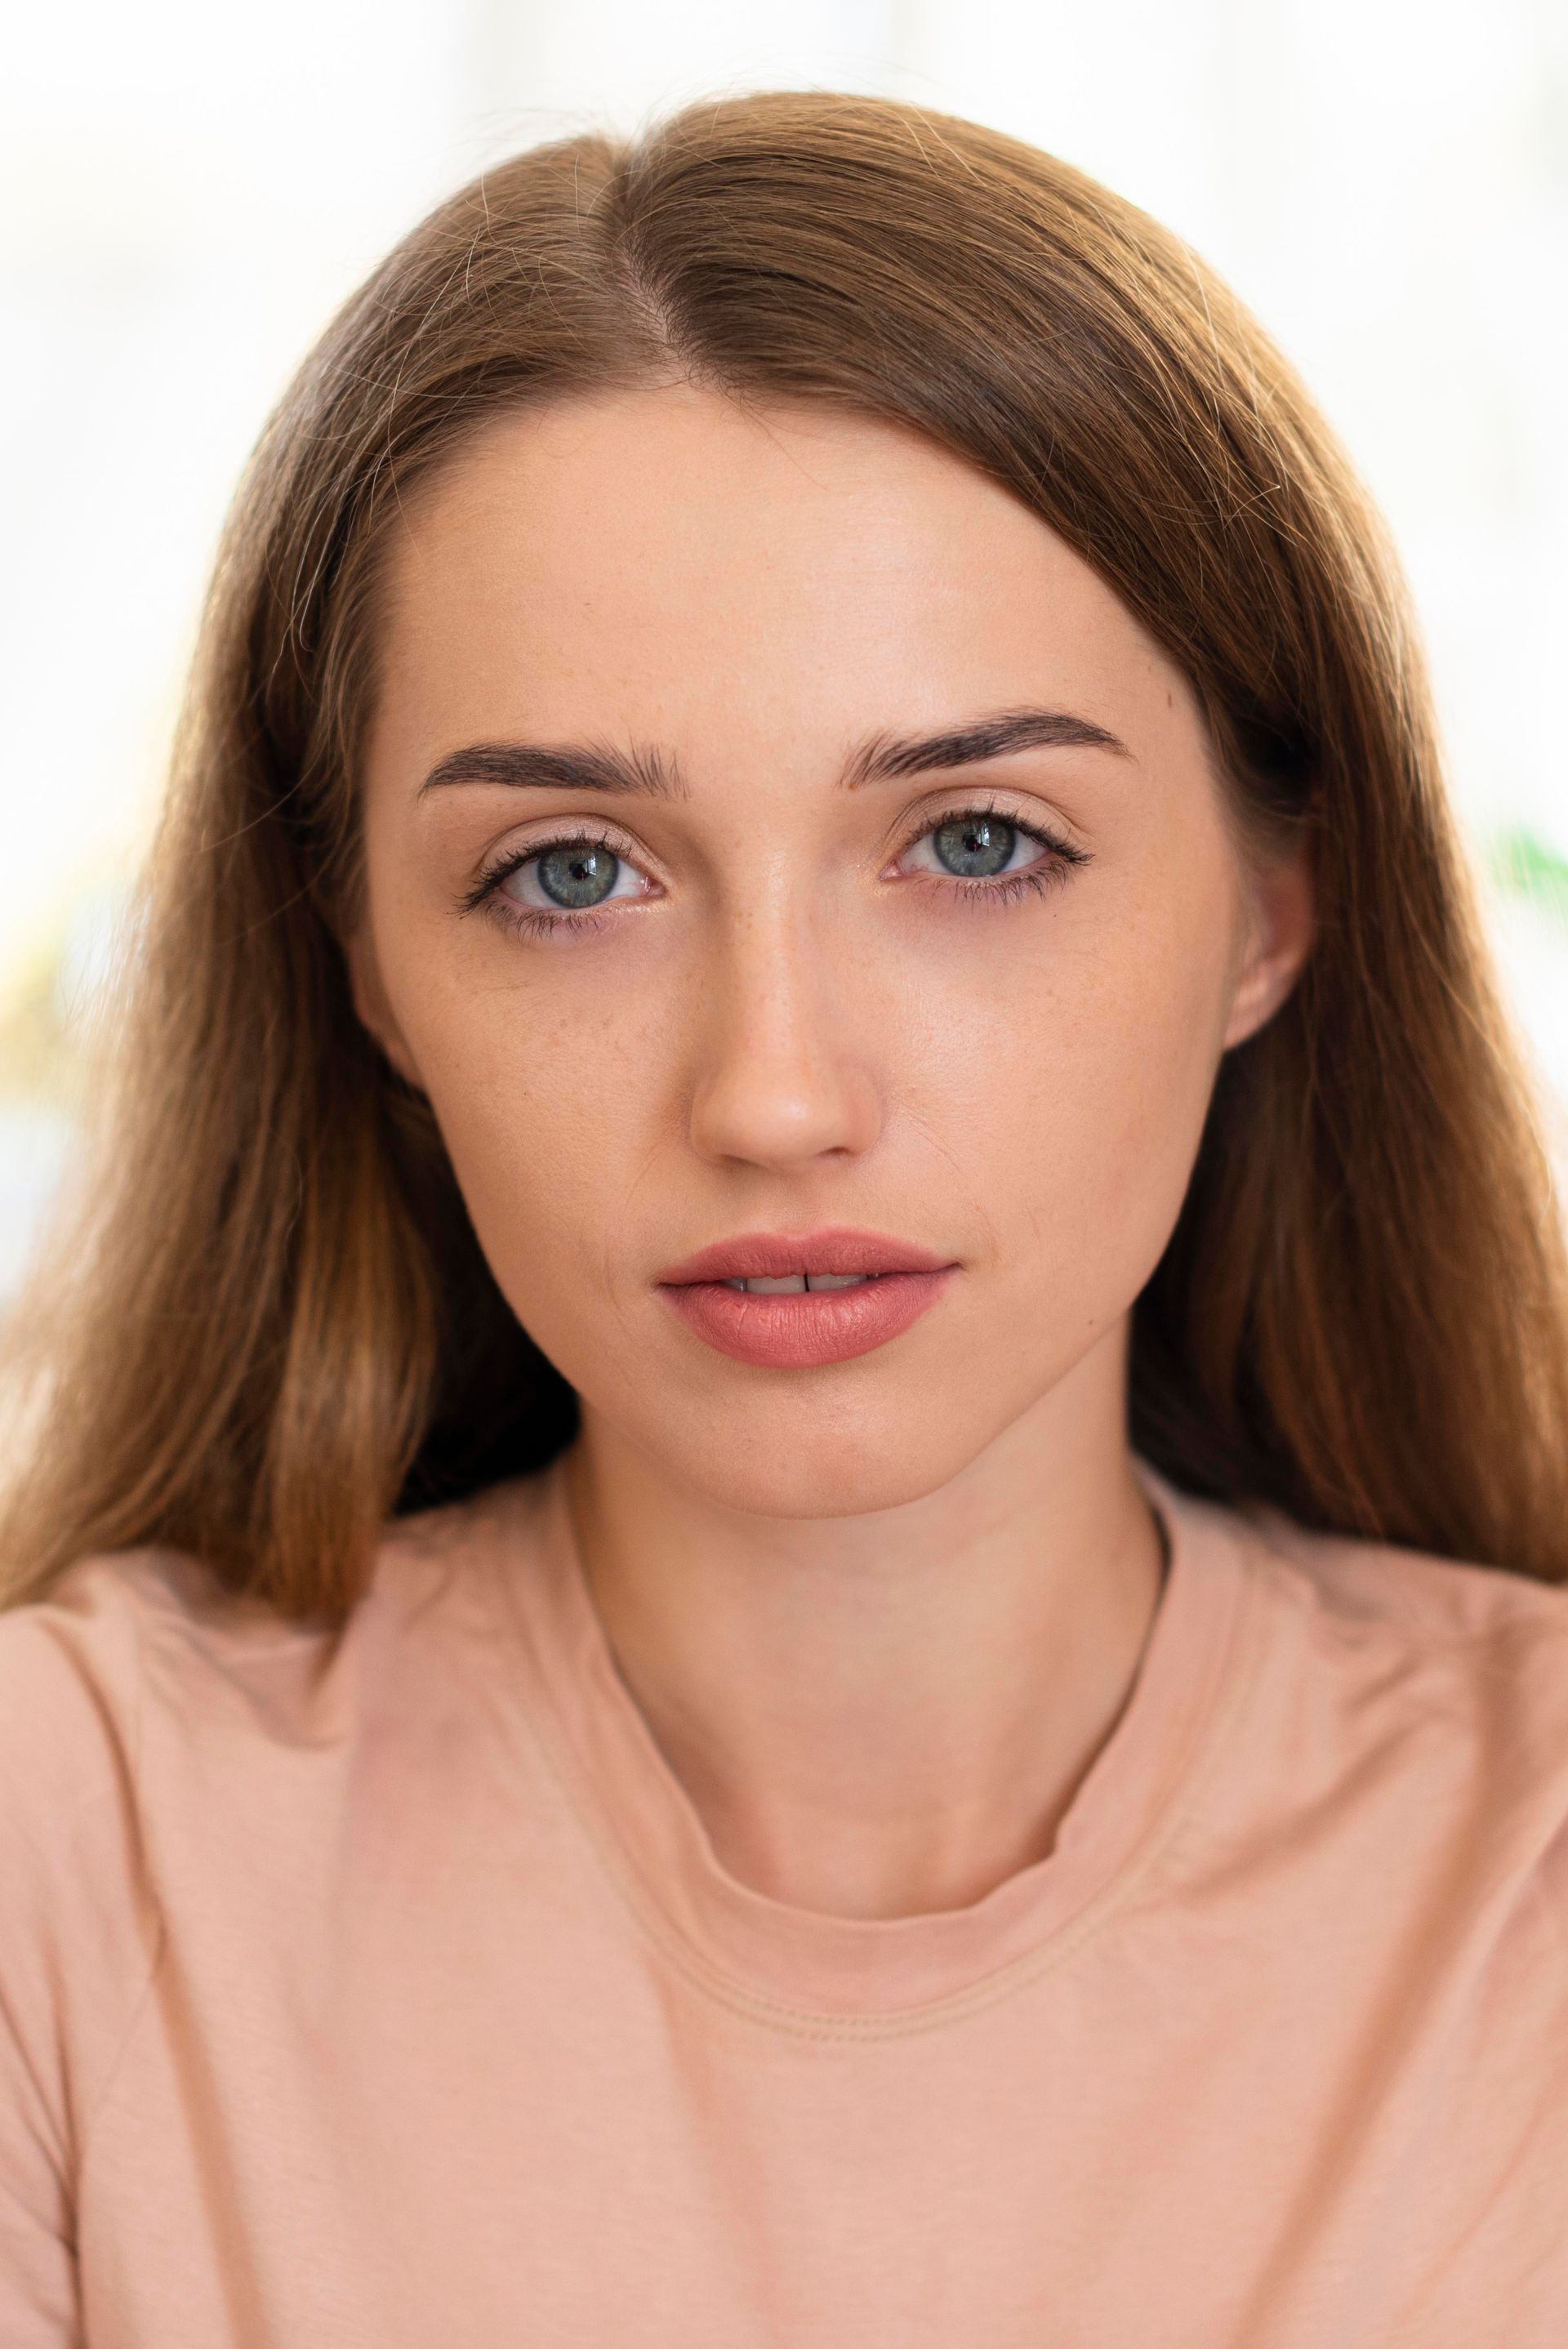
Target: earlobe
[1281, 903]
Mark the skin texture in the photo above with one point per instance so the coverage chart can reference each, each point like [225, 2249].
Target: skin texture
[882, 1615]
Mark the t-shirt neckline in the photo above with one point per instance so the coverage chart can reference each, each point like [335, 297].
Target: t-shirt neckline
[859, 1975]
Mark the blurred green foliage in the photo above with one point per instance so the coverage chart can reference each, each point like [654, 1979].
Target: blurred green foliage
[1523, 864]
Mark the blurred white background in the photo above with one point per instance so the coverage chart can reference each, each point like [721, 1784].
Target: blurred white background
[187, 192]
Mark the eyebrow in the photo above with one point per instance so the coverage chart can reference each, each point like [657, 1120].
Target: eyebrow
[647, 770]
[887, 756]
[572, 767]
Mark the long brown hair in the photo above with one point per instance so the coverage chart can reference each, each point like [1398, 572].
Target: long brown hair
[266, 1324]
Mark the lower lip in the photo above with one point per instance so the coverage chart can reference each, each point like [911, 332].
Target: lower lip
[798, 1329]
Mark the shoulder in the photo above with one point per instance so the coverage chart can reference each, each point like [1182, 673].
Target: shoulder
[151, 1720]
[147, 1713]
[140, 1684]
[1440, 1611]
[80, 1935]
[1444, 1681]
[70, 1678]
[126, 1640]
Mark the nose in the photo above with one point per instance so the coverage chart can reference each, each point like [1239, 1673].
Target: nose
[787, 1068]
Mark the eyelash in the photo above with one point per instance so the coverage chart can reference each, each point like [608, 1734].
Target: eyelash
[531, 921]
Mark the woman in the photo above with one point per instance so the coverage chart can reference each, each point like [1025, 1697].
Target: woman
[789, 1562]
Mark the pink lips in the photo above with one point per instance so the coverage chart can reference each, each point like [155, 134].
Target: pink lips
[802, 1330]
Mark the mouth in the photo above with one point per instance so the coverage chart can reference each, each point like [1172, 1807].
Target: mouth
[797, 1284]
[835, 1253]
[797, 1301]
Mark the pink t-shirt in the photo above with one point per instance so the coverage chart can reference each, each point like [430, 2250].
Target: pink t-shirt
[381, 1991]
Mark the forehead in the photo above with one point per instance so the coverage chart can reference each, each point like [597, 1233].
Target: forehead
[636, 555]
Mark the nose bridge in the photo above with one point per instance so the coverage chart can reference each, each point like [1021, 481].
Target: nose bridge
[786, 1059]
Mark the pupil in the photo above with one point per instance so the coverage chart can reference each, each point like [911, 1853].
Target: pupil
[975, 845]
[581, 875]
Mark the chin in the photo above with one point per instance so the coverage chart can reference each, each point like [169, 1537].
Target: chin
[793, 1465]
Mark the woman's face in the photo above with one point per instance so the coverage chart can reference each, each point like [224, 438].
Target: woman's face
[791, 971]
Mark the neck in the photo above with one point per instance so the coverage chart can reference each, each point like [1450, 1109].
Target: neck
[886, 1715]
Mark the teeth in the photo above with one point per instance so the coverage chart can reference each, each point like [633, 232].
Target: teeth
[796, 1283]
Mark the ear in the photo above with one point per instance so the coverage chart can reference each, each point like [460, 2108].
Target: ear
[1280, 924]
[371, 1004]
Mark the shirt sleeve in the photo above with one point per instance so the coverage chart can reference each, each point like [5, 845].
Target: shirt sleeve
[77, 1936]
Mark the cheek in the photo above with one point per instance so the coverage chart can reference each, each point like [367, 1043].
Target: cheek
[1077, 1099]
[547, 1103]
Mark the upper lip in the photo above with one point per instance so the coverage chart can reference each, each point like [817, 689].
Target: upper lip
[774, 1255]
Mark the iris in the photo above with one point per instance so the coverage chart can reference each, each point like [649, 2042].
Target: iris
[975, 845]
[581, 873]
